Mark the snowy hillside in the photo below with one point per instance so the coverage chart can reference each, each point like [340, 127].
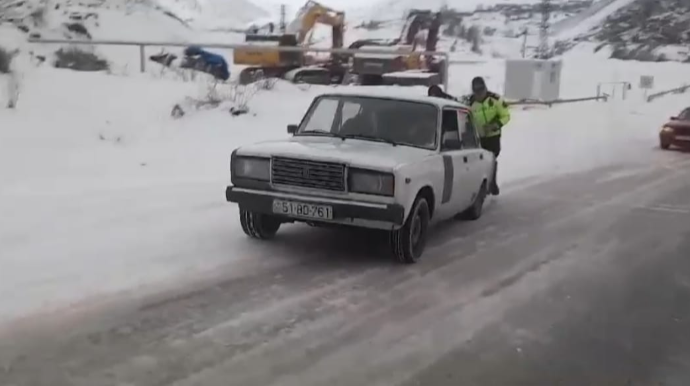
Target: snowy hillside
[96, 19]
[395, 7]
[128, 19]
[215, 14]
[648, 30]
[501, 25]
[633, 29]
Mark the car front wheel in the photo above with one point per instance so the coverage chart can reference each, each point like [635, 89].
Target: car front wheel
[664, 145]
[408, 242]
[259, 226]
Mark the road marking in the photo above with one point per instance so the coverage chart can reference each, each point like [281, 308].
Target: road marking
[666, 208]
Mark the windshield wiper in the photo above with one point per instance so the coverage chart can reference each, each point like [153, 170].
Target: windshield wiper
[368, 137]
[318, 132]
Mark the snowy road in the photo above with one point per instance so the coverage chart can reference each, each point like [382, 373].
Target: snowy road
[580, 279]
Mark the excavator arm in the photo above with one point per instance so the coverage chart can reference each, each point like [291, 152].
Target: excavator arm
[315, 13]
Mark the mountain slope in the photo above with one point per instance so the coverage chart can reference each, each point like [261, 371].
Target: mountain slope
[215, 14]
[589, 19]
[651, 25]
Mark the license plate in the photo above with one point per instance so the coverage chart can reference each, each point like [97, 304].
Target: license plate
[299, 209]
[682, 137]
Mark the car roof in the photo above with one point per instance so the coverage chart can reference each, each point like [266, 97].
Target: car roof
[440, 102]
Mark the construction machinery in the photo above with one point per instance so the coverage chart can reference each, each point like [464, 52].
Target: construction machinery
[404, 65]
[265, 62]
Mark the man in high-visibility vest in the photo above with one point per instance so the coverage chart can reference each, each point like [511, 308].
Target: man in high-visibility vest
[489, 114]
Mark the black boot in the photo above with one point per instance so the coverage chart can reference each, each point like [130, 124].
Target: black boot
[494, 189]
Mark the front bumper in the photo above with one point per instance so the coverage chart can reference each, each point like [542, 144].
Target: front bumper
[261, 201]
[674, 139]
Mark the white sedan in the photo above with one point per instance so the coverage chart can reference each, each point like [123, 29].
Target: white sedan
[376, 161]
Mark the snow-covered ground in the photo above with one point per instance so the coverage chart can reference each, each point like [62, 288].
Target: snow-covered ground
[102, 191]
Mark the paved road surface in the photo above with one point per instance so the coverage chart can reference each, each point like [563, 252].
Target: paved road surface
[580, 280]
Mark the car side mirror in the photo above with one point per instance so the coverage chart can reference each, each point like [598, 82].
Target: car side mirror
[452, 144]
[292, 129]
[674, 118]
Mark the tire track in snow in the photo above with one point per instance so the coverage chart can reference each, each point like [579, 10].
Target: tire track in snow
[199, 336]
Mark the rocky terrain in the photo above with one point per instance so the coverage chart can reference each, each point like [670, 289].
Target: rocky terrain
[648, 30]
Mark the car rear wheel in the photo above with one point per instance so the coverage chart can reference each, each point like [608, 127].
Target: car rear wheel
[408, 243]
[474, 212]
[259, 226]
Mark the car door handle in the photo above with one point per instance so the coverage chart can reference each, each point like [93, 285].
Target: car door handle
[481, 156]
[464, 159]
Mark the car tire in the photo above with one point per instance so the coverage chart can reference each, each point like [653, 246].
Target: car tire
[259, 226]
[408, 243]
[664, 145]
[475, 211]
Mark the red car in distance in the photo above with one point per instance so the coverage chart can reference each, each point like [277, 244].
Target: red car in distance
[676, 132]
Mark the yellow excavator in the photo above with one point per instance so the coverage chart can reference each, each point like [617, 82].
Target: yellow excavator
[405, 64]
[264, 62]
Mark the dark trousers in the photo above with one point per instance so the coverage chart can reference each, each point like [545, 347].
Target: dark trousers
[493, 144]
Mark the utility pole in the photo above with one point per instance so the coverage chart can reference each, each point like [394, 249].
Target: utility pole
[524, 42]
[282, 18]
[543, 51]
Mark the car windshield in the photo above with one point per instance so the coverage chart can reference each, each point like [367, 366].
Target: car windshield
[684, 115]
[374, 119]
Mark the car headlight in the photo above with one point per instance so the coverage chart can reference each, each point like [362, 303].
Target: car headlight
[252, 167]
[371, 182]
[667, 129]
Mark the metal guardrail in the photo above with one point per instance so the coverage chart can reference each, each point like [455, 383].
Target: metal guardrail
[677, 90]
[143, 44]
[625, 87]
[525, 102]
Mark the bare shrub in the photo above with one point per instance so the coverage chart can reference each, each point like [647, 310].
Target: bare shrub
[5, 61]
[620, 51]
[474, 36]
[267, 84]
[12, 90]
[217, 94]
[371, 25]
[560, 47]
[38, 16]
[11, 78]
[79, 60]
[79, 29]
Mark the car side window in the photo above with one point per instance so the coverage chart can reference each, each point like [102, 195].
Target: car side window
[450, 131]
[467, 132]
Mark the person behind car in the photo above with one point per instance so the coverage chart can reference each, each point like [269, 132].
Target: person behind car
[436, 91]
[360, 124]
[489, 114]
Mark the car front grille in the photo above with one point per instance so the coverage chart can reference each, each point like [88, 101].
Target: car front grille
[308, 174]
[681, 130]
